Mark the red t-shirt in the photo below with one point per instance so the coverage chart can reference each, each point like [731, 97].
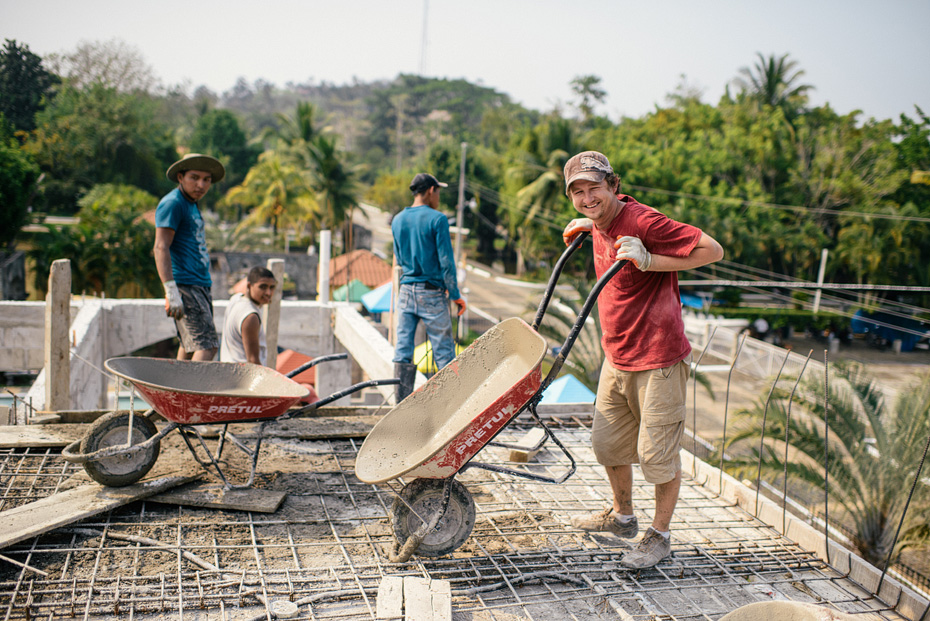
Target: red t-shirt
[641, 311]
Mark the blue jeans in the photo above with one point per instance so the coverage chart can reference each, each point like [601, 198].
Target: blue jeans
[416, 303]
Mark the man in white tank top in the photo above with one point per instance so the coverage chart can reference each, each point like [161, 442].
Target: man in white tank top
[243, 335]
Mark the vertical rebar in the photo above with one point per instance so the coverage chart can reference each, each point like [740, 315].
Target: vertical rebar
[826, 453]
[694, 433]
[784, 493]
[765, 412]
[726, 406]
[903, 515]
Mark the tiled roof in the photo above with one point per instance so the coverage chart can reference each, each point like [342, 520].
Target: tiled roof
[359, 264]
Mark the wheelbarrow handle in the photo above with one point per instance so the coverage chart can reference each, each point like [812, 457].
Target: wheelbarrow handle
[316, 361]
[338, 395]
[579, 323]
[554, 278]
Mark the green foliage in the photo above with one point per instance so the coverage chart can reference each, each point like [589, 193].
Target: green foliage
[18, 174]
[98, 135]
[25, 84]
[774, 82]
[874, 455]
[219, 134]
[110, 247]
[391, 191]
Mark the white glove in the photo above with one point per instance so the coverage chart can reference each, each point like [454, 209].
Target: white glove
[574, 227]
[632, 249]
[174, 306]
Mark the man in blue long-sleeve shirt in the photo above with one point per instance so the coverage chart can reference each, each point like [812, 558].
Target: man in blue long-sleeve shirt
[423, 248]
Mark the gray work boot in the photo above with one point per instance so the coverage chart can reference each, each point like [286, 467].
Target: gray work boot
[607, 521]
[406, 373]
[648, 552]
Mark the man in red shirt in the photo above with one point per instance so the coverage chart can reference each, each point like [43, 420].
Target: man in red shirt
[640, 407]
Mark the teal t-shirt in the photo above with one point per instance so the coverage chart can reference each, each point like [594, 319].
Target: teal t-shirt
[190, 261]
[423, 248]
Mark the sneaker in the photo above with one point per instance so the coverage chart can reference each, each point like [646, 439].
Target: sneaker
[648, 552]
[607, 521]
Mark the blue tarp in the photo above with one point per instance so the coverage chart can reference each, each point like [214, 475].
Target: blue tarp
[567, 389]
[378, 300]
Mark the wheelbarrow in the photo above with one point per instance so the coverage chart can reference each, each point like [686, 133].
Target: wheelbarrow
[435, 432]
[122, 446]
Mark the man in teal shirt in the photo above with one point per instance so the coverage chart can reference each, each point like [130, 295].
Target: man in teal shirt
[423, 248]
[181, 255]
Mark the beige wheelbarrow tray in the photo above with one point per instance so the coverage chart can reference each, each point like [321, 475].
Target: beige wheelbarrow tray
[121, 447]
[435, 433]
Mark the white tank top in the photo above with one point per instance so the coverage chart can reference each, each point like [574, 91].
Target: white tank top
[232, 350]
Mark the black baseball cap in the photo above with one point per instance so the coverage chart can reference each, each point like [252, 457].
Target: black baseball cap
[424, 181]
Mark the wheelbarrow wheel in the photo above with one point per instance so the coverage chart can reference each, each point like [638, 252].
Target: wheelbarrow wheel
[425, 498]
[111, 430]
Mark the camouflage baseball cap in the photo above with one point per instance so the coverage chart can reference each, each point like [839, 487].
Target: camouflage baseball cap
[589, 165]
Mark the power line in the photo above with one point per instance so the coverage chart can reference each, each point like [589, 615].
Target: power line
[801, 285]
[739, 202]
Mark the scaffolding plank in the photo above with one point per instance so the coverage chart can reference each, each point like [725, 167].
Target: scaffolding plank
[77, 504]
[214, 496]
[40, 436]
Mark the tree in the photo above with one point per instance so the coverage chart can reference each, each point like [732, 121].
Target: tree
[219, 134]
[110, 247]
[278, 192]
[98, 135]
[334, 182]
[589, 92]
[18, 175]
[874, 454]
[112, 64]
[25, 84]
[774, 81]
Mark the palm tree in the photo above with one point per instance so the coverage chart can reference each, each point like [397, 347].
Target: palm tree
[278, 192]
[335, 184]
[873, 459]
[536, 207]
[774, 82]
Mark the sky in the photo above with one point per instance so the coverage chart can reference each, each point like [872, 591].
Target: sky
[857, 54]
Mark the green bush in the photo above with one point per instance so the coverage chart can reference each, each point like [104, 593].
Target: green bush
[779, 318]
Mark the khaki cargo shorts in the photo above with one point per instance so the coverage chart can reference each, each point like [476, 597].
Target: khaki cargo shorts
[639, 418]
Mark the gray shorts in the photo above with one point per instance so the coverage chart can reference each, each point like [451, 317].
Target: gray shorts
[196, 329]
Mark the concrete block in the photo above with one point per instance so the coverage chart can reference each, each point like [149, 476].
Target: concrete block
[911, 604]
[864, 574]
[839, 557]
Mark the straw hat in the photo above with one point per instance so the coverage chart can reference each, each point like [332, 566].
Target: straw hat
[196, 161]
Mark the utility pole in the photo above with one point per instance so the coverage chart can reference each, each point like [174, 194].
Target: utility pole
[425, 40]
[823, 267]
[460, 209]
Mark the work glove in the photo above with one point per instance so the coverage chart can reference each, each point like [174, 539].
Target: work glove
[574, 227]
[174, 306]
[632, 249]
[461, 304]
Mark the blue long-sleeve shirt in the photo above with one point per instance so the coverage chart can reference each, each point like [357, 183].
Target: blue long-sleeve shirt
[422, 246]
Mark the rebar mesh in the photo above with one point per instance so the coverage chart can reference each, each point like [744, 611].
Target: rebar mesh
[326, 549]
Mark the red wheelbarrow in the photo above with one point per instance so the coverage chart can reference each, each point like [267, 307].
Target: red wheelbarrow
[436, 432]
[121, 447]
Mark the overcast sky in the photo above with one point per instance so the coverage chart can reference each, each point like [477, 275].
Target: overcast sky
[870, 56]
